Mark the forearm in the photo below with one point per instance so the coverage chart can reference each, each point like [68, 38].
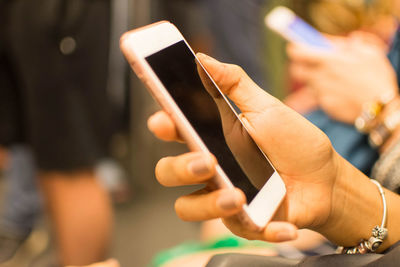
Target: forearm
[357, 208]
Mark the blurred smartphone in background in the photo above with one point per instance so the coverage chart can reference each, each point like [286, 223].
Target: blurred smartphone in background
[292, 28]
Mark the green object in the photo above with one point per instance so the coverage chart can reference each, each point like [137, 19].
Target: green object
[196, 247]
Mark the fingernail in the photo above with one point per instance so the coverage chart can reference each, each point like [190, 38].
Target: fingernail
[286, 236]
[227, 202]
[199, 166]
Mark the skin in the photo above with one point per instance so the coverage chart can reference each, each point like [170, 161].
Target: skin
[108, 263]
[324, 192]
[81, 214]
[356, 71]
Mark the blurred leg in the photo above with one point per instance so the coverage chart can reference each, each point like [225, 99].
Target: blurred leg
[81, 213]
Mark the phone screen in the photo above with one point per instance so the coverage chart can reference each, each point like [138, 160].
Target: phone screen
[307, 34]
[212, 117]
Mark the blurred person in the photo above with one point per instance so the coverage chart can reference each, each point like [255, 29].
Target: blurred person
[320, 194]
[338, 89]
[369, 22]
[53, 75]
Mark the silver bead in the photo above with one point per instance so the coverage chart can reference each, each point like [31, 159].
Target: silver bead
[379, 232]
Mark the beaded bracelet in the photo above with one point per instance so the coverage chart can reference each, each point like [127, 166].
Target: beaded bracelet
[379, 233]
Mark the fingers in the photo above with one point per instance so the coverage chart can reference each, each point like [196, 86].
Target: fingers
[305, 55]
[235, 83]
[369, 39]
[224, 203]
[162, 126]
[280, 232]
[205, 205]
[306, 64]
[186, 169]
[273, 232]
[300, 72]
[300, 54]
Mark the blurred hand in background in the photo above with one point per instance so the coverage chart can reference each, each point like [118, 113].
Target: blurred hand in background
[356, 71]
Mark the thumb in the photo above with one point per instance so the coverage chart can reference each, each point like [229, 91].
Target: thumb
[237, 85]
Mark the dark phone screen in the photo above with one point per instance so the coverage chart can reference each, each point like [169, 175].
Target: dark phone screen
[212, 118]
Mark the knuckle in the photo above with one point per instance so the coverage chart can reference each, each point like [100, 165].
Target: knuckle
[236, 79]
[229, 77]
[237, 69]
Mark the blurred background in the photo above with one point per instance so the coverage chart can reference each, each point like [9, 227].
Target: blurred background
[82, 115]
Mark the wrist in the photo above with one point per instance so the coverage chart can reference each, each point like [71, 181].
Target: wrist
[378, 233]
[338, 199]
[356, 207]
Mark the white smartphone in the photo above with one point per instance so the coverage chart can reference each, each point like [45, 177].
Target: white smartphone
[291, 27]
[164, 61]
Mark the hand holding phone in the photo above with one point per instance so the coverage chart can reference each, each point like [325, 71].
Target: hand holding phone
[298, 150]
[206, 120]
[294, 146]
